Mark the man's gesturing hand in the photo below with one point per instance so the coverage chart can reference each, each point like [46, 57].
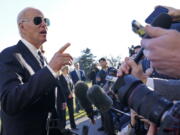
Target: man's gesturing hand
[60, 58]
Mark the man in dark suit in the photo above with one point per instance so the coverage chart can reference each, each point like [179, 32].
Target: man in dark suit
[27, 84]
[77, 75]
[93, 72]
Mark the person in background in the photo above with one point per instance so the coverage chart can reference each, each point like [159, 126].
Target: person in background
[77, 75]
[106, 118]
[133, 50]
[101, 75]
[67, 86]
[93, 72]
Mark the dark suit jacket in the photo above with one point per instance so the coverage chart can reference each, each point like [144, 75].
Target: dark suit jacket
[64, 86]
[26, 92]
[102, 76]
[75, 77]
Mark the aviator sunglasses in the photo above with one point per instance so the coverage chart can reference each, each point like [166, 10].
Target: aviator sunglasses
[38, 20]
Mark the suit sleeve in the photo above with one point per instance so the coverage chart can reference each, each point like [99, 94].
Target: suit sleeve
[168, 88]
[61, 96]
[17, 91]
[72, 77]
[63, 86]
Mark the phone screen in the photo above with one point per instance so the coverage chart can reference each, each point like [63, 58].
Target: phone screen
[158, 10]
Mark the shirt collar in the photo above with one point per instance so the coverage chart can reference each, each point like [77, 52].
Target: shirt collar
[77, 70]
[31, 47]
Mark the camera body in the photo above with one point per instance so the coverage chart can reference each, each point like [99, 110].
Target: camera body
[164, 113]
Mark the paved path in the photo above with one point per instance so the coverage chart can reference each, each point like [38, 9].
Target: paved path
[92, 128]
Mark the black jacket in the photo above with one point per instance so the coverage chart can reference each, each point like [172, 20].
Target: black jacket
[26, 92]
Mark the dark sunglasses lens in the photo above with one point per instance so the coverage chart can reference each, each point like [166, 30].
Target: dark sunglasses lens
[37, 20]
[47, 21]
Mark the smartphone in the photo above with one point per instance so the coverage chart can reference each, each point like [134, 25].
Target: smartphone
[157, 11]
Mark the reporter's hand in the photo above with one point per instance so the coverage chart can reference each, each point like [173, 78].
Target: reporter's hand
[163, 50]
[136, 69]
[64, 106]
[60, 59]
[133, 115]
[152, 129]
[70, 96]
[123, 69]
[173, 12]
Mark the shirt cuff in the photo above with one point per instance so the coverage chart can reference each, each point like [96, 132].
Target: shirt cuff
[150, 83]
[55, 74]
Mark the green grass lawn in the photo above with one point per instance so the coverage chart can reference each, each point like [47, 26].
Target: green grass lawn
[81, 114]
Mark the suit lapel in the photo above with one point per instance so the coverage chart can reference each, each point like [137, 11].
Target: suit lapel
[28, 56]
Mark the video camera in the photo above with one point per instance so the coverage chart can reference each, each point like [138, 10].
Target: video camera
[110, 79]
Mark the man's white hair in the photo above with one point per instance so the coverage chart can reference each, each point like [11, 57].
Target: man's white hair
[22, 14]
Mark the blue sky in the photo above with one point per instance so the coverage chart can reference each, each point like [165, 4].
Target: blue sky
[104, 26]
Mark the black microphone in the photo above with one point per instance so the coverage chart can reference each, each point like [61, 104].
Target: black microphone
[99, 98]
[81, 89]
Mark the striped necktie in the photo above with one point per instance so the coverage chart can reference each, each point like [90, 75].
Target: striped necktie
[41, 58]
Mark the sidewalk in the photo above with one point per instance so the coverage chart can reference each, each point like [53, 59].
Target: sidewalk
[84, 121]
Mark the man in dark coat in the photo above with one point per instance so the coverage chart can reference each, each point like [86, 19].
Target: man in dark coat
[27, 83]
[77, 75]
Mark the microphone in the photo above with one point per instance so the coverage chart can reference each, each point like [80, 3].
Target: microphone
[99, 98]
[81, 89]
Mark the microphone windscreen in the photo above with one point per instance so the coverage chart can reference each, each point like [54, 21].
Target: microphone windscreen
[99, 98]
[81, 89]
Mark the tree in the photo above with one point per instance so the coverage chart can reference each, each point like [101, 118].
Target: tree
[114, 61]
[86, 60]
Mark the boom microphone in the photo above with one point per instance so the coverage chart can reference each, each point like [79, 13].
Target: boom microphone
[99, 98]
[81, 89]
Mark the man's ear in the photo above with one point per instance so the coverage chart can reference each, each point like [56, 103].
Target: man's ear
[21, 26]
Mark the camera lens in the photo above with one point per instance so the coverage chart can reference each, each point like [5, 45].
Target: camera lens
[140, 98]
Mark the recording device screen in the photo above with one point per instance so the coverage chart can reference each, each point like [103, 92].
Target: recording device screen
[158, 10]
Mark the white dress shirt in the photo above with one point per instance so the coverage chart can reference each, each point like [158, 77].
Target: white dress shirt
[34, 51]
[78, 74]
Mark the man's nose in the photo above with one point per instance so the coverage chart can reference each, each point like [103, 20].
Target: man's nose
[44, 24]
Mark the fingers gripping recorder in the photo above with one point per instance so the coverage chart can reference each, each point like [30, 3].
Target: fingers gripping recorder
[163, 21]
